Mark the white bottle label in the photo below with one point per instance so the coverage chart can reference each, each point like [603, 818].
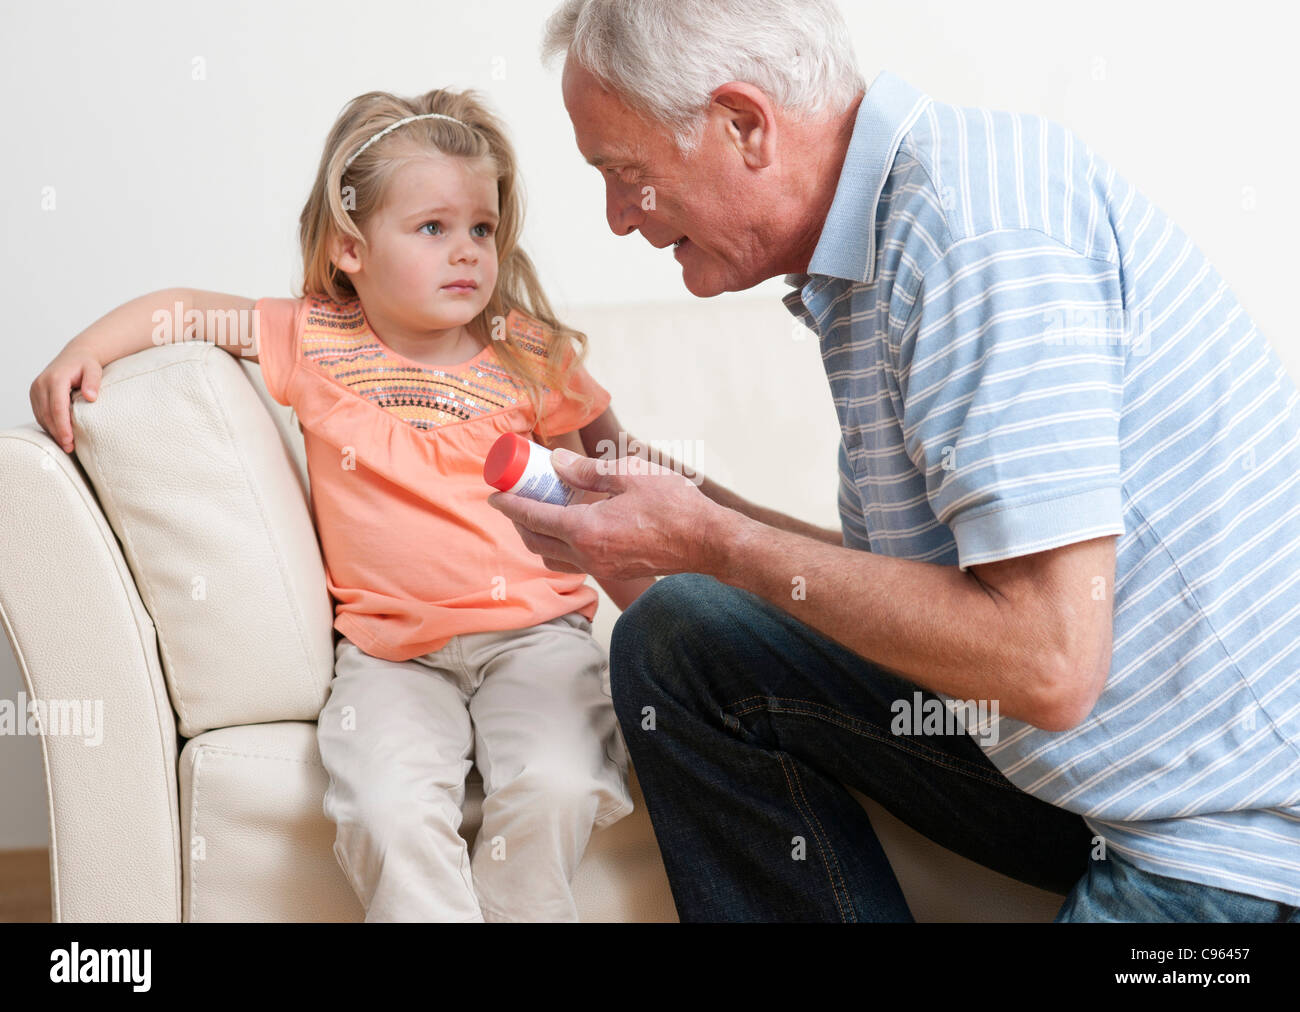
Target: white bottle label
[539, 480]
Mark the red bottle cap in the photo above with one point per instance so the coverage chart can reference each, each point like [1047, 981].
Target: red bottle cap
[506, 461]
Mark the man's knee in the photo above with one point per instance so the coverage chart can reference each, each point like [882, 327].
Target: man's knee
[678, 604]
[655, 638]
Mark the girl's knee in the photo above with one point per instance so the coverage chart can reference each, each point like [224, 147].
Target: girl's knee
[549, 790]
[386, 816]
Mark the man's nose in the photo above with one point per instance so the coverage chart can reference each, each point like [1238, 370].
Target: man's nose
[622, 206]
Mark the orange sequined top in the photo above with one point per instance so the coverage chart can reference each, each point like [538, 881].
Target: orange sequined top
[413, 553]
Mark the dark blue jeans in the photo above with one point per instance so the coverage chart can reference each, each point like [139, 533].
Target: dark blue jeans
[743, 724]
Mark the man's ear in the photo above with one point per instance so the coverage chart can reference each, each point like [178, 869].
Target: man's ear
[345, 253]
[748, 119]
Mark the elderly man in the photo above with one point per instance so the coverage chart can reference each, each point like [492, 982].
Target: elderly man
[1059, 632]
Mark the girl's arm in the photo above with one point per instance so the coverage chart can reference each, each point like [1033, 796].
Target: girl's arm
[606, 430]
[621, 592]
[129, 328]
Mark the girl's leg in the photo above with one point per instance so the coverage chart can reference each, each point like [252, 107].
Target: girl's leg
[548, 747]
[395, 738]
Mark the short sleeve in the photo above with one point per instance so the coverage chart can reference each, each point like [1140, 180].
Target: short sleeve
[1011, 375]
[562, 414]
[277, 343]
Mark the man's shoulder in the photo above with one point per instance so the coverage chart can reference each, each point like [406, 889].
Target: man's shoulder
[995, 175]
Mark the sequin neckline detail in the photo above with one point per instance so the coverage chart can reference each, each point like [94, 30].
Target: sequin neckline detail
[339, 342]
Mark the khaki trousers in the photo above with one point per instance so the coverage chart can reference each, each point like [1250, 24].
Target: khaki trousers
[532, 707]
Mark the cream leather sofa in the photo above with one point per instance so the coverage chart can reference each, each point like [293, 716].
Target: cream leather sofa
[170, 571]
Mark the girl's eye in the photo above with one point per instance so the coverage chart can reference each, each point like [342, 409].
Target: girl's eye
[482, 225]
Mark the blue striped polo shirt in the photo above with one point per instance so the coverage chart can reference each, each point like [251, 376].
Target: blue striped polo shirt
[1025, 352]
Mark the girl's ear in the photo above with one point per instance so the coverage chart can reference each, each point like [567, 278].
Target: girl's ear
[345, 254]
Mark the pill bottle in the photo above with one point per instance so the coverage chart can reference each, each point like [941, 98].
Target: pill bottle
[523, 467]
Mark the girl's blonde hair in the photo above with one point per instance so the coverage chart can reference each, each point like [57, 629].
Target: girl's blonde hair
[331, 212]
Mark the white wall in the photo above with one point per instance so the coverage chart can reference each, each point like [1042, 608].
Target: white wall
[161, 179]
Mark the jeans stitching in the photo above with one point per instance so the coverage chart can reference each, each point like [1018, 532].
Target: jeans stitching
[866, 730]
[834, 873]
[830, 859]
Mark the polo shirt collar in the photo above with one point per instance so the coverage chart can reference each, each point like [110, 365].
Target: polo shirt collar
[846, 247]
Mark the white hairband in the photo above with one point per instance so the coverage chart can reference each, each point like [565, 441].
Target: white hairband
[394, 126]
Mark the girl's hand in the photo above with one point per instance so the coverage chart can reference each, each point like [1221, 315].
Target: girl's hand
[51, 392]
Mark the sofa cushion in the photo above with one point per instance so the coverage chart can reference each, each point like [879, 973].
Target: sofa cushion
[205, 499]
[256, 844]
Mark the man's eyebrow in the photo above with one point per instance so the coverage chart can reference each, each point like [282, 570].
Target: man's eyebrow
[599, 161]
[486, 212]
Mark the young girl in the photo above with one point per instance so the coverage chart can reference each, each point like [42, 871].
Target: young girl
[421, 336]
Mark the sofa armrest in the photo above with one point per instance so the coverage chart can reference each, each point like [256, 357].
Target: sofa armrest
[81, 634]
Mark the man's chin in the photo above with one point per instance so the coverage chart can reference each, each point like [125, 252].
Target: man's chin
[707, 285]
[703, 284]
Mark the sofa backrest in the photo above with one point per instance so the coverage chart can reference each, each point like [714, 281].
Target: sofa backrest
[199, 475]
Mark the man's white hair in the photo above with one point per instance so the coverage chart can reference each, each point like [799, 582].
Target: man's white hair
[663, 58]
